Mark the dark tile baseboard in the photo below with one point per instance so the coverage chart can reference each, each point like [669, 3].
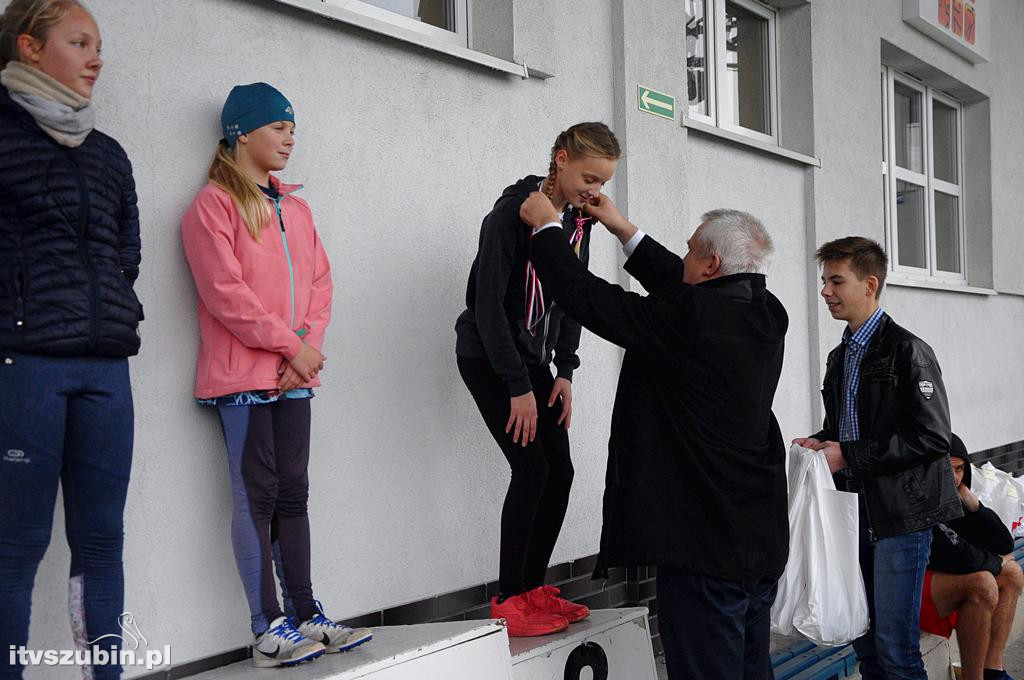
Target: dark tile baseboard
[1008, 457]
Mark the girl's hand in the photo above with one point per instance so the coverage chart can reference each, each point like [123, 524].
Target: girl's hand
[523, 415]
[290, 380]
[562, 388]
[308, 362]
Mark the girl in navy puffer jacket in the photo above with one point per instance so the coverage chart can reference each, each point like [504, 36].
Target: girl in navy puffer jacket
[69, 255]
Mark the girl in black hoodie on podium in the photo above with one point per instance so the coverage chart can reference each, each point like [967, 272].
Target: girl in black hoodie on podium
[505, 341]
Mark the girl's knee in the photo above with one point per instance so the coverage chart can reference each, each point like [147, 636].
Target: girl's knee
[562, 473]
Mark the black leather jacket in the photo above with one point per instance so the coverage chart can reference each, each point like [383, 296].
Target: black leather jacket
[901, 461]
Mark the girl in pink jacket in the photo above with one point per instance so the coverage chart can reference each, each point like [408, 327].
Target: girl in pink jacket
[264, 287]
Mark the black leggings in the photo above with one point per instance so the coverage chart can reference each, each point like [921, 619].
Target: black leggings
[538, 494]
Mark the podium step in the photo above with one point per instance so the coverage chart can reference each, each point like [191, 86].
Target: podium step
[460, 650]
[613, 643]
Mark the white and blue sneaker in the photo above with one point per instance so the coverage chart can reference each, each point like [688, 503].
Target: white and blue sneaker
[335, 637]
[283, 645]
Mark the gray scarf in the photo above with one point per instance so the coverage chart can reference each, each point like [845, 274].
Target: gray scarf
[61, 112]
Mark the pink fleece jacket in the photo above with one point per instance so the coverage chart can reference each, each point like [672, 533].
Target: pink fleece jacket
[258, 300]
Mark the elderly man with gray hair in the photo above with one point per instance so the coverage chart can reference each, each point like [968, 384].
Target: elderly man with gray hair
[696, 480]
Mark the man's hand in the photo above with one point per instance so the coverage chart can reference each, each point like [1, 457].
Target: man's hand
[833, 455]
[562, 388]
[308, 362]
[289, 378]
[523, 415]
[808, 443]
[603, 209]
[537, 210]
[968, 499]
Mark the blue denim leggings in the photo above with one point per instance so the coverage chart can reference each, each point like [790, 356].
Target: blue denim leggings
[65, 421]
[893, 571]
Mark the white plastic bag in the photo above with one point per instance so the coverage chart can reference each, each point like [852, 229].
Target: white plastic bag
[1002, 493]
[821, 593]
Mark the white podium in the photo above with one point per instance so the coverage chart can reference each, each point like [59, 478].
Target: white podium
[612, 644]
[462, 650]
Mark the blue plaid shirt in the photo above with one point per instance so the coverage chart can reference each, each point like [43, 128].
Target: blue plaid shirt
[856, 345]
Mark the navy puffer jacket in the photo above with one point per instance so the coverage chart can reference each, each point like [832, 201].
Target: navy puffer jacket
[69, 243]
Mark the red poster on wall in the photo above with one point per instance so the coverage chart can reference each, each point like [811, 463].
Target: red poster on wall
[963, 26]
[944, 11]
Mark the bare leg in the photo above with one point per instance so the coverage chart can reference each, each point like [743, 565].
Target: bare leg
[974, 597]
[1009, 581]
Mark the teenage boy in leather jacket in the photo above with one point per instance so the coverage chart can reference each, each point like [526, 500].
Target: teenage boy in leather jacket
[886, 436]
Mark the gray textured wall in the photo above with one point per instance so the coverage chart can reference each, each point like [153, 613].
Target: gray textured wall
[402, 152]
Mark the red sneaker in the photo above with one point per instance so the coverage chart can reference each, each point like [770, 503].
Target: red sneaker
[523, 620]
[545, 598]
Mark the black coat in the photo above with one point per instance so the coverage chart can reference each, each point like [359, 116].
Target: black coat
[696, 463]
[901, 460]
[69, 243]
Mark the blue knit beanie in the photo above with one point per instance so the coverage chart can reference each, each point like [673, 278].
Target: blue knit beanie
[252, 106]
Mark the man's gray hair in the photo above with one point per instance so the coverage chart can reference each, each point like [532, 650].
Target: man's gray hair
[738, 238]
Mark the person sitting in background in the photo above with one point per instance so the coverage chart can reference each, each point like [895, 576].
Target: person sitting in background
[972, 582]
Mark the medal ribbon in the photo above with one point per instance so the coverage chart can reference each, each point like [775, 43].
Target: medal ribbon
[535, 308]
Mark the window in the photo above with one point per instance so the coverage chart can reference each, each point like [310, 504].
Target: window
[731, 69]
[444, 19]
[922, 178]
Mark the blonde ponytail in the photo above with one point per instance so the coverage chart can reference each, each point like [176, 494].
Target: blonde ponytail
[252, 203]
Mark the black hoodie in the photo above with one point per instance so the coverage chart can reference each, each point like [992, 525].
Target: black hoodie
[974, 542]
[493, 326]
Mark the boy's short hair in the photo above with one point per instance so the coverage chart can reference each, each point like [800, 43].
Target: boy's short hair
[866, 257]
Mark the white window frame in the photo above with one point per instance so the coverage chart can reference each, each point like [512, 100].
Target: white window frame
[891, 173]
[460, 8]
[715, 68]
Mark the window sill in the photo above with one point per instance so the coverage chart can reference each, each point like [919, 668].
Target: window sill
[369, 23]
[936, 284]
[747, 141]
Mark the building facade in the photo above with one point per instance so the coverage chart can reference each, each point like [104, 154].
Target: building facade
[900, 121]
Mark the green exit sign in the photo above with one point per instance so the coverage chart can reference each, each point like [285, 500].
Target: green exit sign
[654, 102]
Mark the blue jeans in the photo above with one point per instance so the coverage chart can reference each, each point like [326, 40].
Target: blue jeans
[715, 628]
[65, 421]
[893, 571]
